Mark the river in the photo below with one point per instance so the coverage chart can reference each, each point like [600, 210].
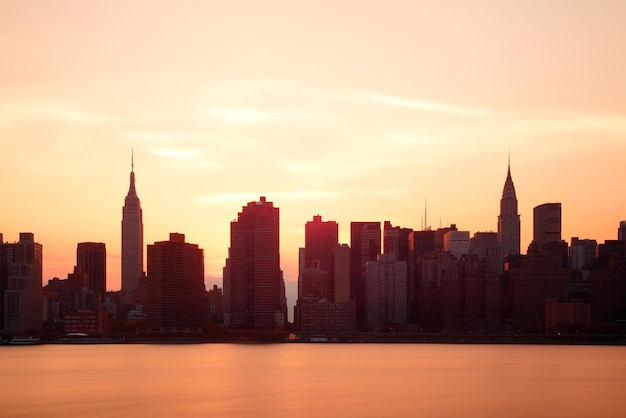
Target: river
[312, 380]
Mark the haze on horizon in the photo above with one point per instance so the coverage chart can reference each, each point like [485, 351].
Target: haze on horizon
[357, 111]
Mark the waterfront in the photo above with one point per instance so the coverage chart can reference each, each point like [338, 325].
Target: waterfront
[302, 380]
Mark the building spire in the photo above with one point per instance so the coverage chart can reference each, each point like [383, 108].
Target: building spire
[131, 189]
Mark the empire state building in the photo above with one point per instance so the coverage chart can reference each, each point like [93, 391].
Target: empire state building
[509, 219]
[132, 240]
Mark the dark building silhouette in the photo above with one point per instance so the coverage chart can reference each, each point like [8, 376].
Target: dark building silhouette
[530, 286]
[396, 241]
[386, 293]
[509, 218]
[471, 297]
[621, 231]
[365, 246]
[317, 272]
[420, 243]
[486, 246]
[546, 224]
[582, 252]
[22, 296]
[176, 289]
[254, 290]
[91, 259]
[320, 239]
[132, 241]
[607, 282]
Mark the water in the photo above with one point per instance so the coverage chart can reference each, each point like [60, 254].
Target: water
[312, 380]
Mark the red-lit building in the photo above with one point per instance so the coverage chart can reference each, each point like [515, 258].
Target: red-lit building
[176, 291]
[254, 290]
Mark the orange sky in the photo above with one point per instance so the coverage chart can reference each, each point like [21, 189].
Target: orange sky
[355, 110]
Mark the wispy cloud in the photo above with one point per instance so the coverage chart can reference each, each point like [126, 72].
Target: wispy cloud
[57, 111]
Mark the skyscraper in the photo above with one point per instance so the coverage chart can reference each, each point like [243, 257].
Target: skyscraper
[386, 292]
[365, 246]
[320, 239]
[175, 284]
[509, 219]
[254, 290]
[316, 277]
[91, 259]
[546, 224]
[23, 303]
[132, 240]
[621, 231]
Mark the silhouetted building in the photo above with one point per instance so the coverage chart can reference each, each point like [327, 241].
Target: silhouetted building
[470, 297]
[132, 241]
[486, 246]
[321, 315]
[176, 289]
[457, 243]
[546, 224]
[320, 239]
[396, 241]
[215, 304]
[91, 259]
[87, 322]
[529, 288]
[316, 279]
[621, 231]
[386, 293]
[23, 300]
[254, 290]
[420, 243]
[509, 218]
[582, 252]
[365, 246]
[342, 273]
[567, 317]
[440, 233]
[607, 282]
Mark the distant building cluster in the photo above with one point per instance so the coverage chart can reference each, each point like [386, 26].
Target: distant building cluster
[387, 279]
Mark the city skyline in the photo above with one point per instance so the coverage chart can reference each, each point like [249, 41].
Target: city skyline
[359, 122]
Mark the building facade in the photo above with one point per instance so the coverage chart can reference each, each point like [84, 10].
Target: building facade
[22, 296]
[365, 245]
[546, 224]
[176, 291]
[509, 219]
[386, 293]
[254, 290]
[132, 241]
[91, 259]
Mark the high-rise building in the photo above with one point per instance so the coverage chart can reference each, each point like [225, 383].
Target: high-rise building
[22, 298]
[254, 290]
[132, 240]
[457, 243]
[176, 289]
[320, 239]
[316, 277]
[486, 247]
[342, 273]
[396, 241]
[365, 246]
[509, 219]
[91, 259]
[546, 224]
[386, 292]
[621, 231]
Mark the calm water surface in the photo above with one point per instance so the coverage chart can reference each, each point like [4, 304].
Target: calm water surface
[313, 380]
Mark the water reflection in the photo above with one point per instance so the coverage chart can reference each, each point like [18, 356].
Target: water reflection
[305, 380]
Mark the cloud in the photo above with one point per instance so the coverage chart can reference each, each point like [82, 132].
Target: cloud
[57, 111]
